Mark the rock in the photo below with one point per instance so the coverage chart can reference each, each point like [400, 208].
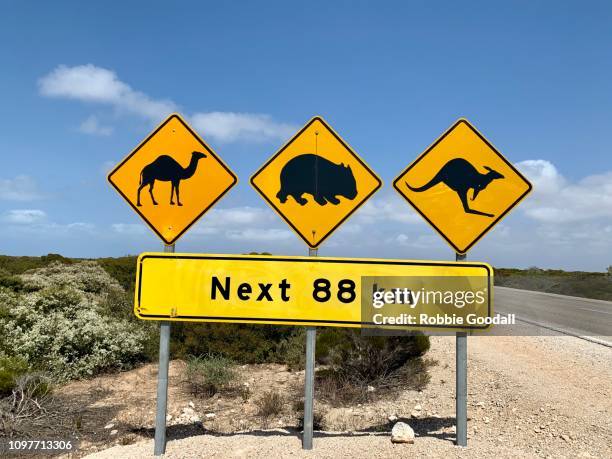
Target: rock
[402, 433]
[113, 432]
[480, 404]
[109, 426]
[371, 389]
[486, 420]
[168, 417]
[210, 415]
[415, 414]
[191, 405]
[418, 408]
[392, 418]
[566, 438]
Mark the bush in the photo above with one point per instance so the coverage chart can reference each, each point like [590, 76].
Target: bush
[269, 404]
[292, 350]
[237, 342]
[367, 357]
[29, 403]
[122, 269]
[211, 374]
[65, 328]
[11, 368]
[318, 415]
[356, 362]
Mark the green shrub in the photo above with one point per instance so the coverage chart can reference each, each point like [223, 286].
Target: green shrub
[11, 282]
[19, 265]
[237, 342]
[11, 368]
[356, 362]
[292, 350]
[210, 374]
[367, 357]
[65, 328]
[122, 269]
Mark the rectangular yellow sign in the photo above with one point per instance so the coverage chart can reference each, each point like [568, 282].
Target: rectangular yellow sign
[313, 291]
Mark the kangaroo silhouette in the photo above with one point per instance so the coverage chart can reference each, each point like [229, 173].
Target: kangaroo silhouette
[166, 169]
[459, 175]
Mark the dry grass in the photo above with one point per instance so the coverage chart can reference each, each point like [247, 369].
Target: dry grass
[270, 404]
[29, 405]
[340, 389]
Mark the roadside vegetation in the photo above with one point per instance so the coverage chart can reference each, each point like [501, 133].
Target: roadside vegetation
[596, 285]
[67, 319]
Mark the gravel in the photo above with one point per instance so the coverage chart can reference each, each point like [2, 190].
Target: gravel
[527, 397]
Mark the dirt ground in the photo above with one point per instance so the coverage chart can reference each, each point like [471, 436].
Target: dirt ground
[528, 397]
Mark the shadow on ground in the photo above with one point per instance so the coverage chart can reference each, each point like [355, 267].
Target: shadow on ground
[423, 427]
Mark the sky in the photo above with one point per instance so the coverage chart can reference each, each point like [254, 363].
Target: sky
[82, 83]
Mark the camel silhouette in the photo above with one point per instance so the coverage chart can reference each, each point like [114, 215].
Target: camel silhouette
[459, 175]
[166, 169]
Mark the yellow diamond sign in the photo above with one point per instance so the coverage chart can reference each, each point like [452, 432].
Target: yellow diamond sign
[315, 182]
[172, 178]
[462, 186]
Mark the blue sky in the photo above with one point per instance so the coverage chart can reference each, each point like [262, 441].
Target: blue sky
[82, 84]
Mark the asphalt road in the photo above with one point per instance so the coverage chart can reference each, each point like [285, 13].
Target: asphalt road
[578, 316]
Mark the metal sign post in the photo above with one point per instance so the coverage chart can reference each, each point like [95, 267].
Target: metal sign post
[162, 381]
[311, 340]
[461, 381]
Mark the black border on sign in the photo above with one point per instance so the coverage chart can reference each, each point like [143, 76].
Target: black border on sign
[488, 228]
[348, 148]
[142, 144]
[306, 260]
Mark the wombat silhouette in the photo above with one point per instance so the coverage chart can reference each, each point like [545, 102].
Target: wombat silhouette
[317, 176]
[460, 176]
[167, 169]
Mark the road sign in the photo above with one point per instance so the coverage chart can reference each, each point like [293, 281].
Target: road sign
[462, 186]
[315, 182]
[172, 178]
[313, 291]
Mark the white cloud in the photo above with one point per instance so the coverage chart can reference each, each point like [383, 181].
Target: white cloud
[244, 224]
[89, 83]
[229, 126]
[556, 200]
[128, 228]
[239, 216]
[42, 227]
[259, 234]
[222, 220]
[20, 188]
[421, 241]
[387, 207]
[92, 126]
[24, 216]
